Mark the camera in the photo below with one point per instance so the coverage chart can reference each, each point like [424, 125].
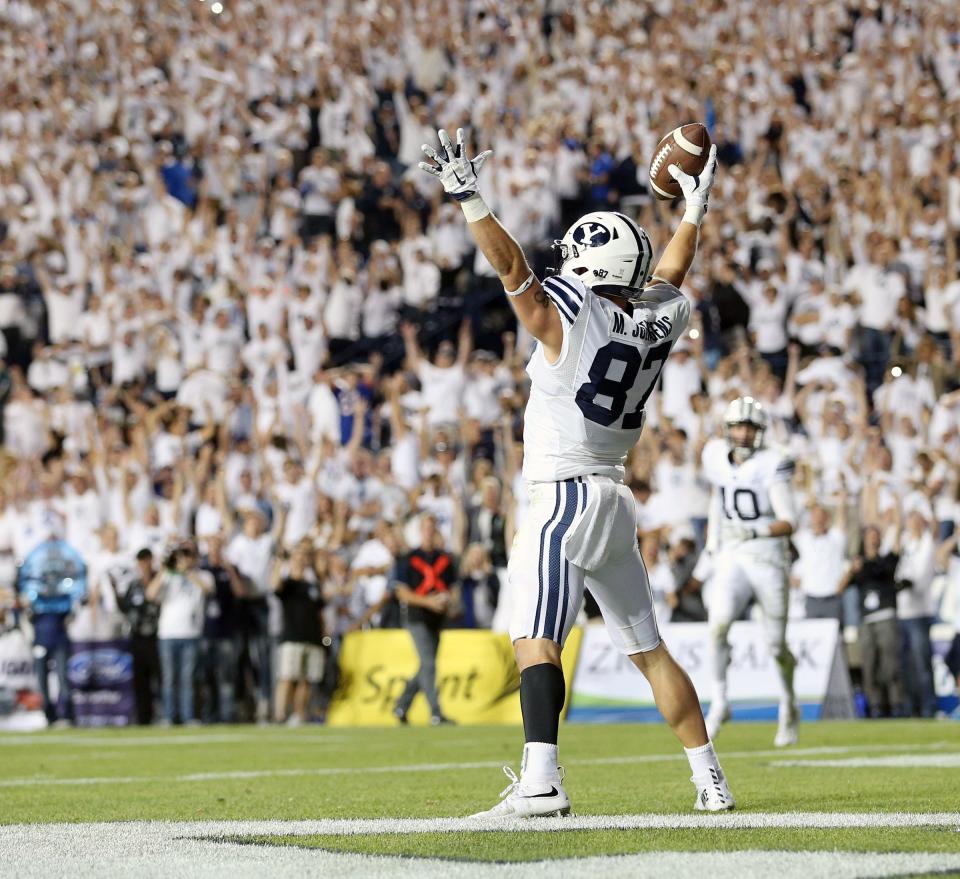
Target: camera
[171, 558]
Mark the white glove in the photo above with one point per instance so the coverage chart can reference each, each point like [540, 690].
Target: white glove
[456, 172]
[696, 190]
[732, 533]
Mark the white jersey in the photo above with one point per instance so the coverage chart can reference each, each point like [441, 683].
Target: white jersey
[586, 411]
[742, 496]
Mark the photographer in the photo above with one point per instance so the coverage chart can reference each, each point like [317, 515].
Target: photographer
[180, 588]
[874, 577]
[218, 649]
[300, 661]
[142, 616]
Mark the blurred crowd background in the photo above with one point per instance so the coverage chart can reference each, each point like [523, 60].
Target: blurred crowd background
[246, 345]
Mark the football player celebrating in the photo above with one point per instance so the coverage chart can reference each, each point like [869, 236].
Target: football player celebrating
[752, 513]
[604, 327]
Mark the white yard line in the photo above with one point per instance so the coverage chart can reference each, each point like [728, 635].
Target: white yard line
[134, 741]
[168, 849]
[902, 761]
[41, 781]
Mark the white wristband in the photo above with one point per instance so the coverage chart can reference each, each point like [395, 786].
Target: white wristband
[694, 214]
[761, 530]
[526, 285]
[474, 208]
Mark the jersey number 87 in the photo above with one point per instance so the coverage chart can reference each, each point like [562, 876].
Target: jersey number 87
[631, 362]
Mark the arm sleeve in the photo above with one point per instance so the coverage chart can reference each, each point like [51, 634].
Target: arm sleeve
[783, 503]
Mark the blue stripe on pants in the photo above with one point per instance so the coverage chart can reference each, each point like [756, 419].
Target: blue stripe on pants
[557, 572]
[543, 540]
[566, 568]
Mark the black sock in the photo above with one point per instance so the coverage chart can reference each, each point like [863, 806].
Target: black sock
[541, 700]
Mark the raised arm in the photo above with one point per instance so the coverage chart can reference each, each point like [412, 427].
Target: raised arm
[464, 342]
[411, 347]
[678, 256]
[533, 308]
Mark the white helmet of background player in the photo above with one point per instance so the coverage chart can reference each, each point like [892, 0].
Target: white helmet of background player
[745, 410]
[608, 252]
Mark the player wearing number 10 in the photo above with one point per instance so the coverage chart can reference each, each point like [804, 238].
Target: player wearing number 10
[604, 327]
[752, 513]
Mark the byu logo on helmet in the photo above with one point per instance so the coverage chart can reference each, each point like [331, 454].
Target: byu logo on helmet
[606, 248]
[591, 234]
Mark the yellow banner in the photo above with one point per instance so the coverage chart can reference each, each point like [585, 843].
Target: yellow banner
[477, 677]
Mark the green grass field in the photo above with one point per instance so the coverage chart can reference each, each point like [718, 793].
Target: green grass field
[634, 778]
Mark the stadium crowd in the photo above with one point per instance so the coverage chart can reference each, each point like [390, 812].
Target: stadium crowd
[247, 346]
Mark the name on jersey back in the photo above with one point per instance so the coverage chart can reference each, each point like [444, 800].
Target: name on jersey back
[627, 328]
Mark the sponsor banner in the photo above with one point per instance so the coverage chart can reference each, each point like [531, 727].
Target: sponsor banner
[21, 707]
[608, 687]
[477, 677]
[101, 683]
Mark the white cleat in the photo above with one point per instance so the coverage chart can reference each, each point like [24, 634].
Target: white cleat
[547, 800]
[788, 728]
[718, 715]
[713, 792]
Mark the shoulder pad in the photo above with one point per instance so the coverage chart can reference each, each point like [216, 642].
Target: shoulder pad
[781, 463]
[567, 293]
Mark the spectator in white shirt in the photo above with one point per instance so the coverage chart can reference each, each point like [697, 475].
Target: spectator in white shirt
[298, 497]
[319, 184]
[682, 377]
[263, 353]
[806, 320]
[180, 588]
[915, 610]
[443, 381]
[421, 281]
[768, 319]
[342, 313]
[309, 344]
[822, 550]
[64, 300]
[222, 341]
[879, 288]
[251, 553]
[130, 357]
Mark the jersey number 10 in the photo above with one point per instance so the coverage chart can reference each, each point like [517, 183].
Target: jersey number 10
[630, 362]
[744, 504]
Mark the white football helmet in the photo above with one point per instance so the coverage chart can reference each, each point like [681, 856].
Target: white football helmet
[605, 249]
[746, 410]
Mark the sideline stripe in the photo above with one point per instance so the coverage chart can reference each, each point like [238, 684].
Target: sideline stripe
[38, 781]
[413, 826]
[172, 849]
[903, 761]
[653, 821]
[128, 741]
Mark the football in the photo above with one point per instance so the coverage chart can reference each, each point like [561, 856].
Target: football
[687, 146]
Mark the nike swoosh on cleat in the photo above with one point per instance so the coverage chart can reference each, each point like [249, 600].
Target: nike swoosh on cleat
[553, 792]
